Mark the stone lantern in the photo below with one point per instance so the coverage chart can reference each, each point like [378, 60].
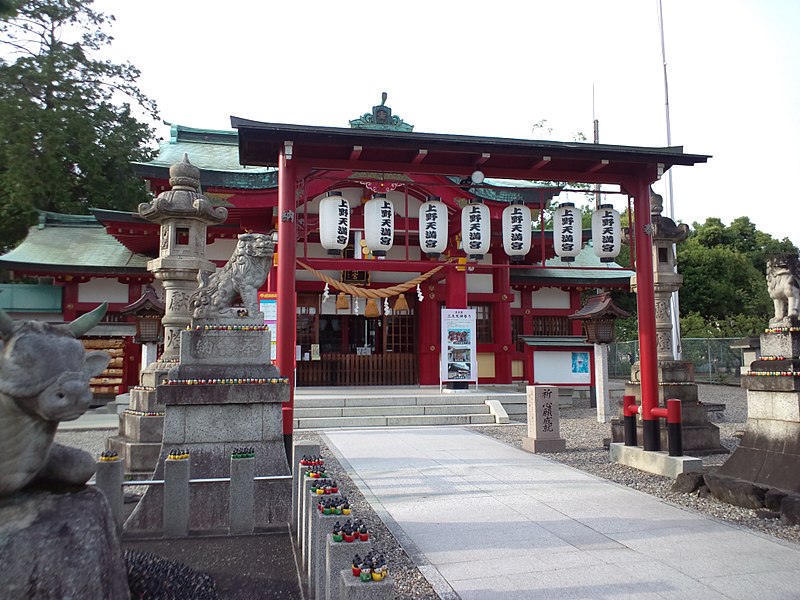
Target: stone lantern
[148, 311]
[184, 214]
[598, 316]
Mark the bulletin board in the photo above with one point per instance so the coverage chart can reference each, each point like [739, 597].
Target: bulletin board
[554, 367]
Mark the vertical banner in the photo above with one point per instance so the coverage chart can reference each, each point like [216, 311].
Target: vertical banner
[268, 304]
[459, 349]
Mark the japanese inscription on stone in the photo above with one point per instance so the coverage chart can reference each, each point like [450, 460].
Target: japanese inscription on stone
[543, 413]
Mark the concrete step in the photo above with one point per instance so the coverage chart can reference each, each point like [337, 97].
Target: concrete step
[304, 401]
[393, 421]
[386, 411]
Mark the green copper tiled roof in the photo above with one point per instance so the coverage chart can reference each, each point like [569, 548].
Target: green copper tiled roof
[63, 243]
[586, 269]
[215, 153]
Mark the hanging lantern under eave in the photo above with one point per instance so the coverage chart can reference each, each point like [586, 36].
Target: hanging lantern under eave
[476, 230]
[606, 233]
[567, 232]
[334, 223]
[379, 224]
[433, 226]
[517, 231]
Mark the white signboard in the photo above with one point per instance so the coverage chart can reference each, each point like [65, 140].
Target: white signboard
[459, 348]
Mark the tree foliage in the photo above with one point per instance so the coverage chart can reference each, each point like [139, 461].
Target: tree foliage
[724, 293]
[67, 120]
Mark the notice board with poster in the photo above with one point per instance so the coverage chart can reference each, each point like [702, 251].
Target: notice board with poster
[459, 357]
[268, 304]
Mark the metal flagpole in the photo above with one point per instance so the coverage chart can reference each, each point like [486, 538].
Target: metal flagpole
[675, 305]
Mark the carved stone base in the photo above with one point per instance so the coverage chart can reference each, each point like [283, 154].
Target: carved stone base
[769, 452]
[210, 419]
[60, 545]
[138, 441]
[676, 380]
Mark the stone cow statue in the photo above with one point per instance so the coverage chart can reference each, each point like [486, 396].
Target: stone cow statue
[44, 379]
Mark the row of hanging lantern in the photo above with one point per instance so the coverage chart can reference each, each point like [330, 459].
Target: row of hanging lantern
[568, 229]
[334, 225]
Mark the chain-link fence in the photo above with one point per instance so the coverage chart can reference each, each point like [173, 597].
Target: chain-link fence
[714, 359]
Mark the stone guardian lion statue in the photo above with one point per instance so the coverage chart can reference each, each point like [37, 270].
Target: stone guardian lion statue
[241, 277]
[783, 283]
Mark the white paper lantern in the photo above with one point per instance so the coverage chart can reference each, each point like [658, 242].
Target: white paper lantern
[379, 224]
[517, 231]
[476, 230]
[334, 223]
[433, 226]
[567, 232]
[606, 233]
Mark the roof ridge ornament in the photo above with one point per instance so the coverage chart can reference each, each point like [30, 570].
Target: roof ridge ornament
[381, 118]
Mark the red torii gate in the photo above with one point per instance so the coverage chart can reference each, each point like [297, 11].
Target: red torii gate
[299, 150]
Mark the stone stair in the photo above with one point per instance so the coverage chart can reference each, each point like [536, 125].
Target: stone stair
[316, 408]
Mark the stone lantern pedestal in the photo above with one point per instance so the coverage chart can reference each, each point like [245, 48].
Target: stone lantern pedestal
[675, 377]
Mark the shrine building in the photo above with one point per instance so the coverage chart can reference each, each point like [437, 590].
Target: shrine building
[366, 305]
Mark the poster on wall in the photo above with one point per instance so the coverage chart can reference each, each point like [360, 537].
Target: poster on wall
[580, 362]
[459, 350]
[268, 304]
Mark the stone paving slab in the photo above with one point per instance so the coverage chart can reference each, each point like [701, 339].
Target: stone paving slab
[481, 518]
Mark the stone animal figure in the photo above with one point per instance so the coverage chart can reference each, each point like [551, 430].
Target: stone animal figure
[44, 379]
[783, 283]
[242, 275]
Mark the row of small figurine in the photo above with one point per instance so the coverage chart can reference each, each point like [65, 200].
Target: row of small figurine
[178, 454]
[312, 460]
[337, 505]
[108, 456]
[350, 531]
[324, 486]
[243, 453]
[371, 568]
[316, 472]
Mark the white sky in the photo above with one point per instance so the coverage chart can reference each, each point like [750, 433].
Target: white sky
[497, 68]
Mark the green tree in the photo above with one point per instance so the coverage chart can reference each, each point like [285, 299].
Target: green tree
[67, 120]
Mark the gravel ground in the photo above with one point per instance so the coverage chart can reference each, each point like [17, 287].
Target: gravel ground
[585, 451]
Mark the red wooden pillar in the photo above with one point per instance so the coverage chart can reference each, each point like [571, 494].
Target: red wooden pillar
[501, 319]
[428, 319]
[287, 300]
[645, 304]
[456, 283]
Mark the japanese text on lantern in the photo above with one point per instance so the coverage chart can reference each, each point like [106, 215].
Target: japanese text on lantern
[607, 240]
[431, 231]
[475, 220]
[342, 228]
[386, 223]
[516, 228]
[567, 232]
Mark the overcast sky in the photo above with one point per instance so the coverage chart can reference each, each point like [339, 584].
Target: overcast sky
[496, 69]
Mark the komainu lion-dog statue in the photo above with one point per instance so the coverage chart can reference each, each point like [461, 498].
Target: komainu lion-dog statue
[783, 283]
[244, 273]
[44, 379]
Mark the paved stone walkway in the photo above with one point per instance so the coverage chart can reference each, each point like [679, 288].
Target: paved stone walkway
[484, 520]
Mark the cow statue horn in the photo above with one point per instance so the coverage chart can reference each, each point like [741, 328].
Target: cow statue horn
[85, 322]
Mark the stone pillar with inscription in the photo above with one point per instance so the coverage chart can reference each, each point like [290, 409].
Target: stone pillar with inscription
[675, 377]
[184, 215]
[544, 426]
